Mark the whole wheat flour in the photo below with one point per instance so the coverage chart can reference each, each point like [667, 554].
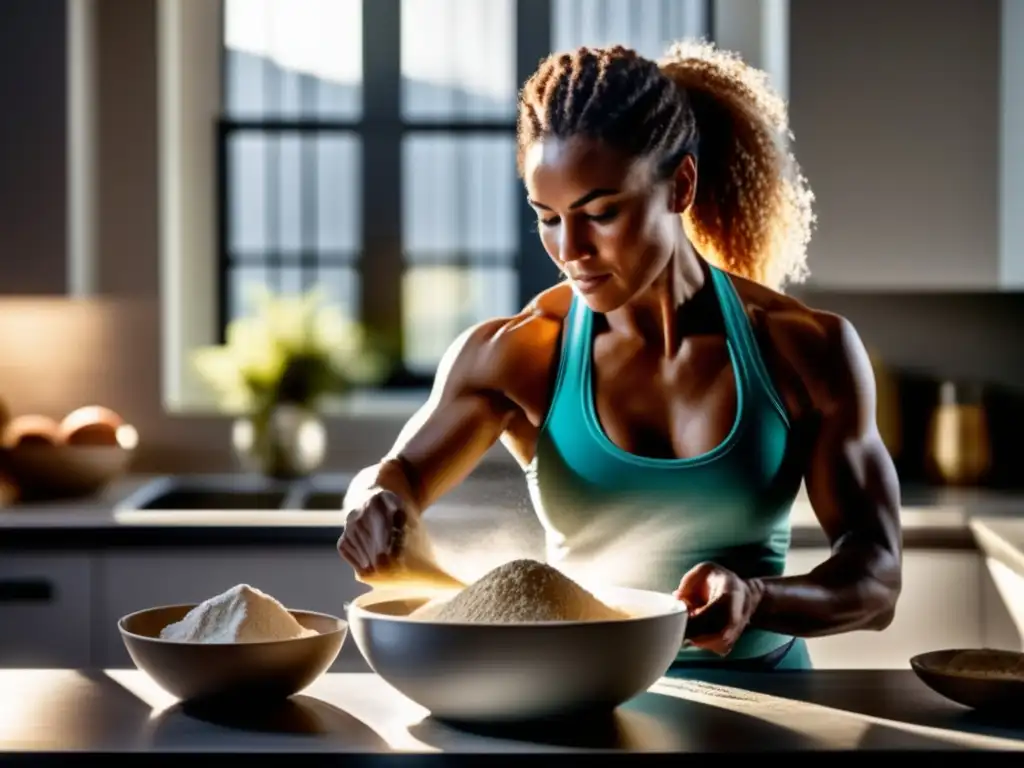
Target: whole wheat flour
[520, 591]
[243, 614]
[989, 664]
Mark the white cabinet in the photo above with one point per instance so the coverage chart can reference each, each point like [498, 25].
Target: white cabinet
[301, 578]
[1004, 606]
[940, 606]
[45, 610]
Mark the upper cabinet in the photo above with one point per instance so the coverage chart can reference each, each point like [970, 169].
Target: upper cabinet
[898, 110]
[33, 148]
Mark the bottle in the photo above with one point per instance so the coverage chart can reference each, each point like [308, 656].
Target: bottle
[958, 447]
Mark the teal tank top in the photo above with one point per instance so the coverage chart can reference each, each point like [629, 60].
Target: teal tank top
[619, 519]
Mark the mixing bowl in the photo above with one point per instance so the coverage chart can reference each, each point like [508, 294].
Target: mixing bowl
[275, 669]
[510, 672]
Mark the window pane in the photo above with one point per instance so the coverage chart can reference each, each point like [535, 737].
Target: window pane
[459, 198]
[241, 283]
[458, 59]
[247, 194]
[291, 194]
[441, 302]
[289, 58]
[340, 285]
[648, 26]
[338, 173]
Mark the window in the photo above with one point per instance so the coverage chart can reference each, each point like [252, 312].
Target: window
[368, 146]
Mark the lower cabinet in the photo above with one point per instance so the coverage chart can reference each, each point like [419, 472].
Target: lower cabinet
[46, 617]
[948, 601]
[302, 578]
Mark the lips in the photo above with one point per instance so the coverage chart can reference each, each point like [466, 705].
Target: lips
[589, 283]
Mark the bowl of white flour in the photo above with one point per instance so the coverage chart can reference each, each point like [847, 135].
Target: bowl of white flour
[241, 643]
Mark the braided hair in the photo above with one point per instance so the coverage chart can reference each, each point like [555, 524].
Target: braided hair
[751, 213]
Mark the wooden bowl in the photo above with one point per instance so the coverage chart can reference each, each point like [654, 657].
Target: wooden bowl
[48, 472]
[215, 671]
[975, 688]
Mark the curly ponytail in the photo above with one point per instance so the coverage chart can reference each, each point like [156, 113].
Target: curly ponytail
[752, 212]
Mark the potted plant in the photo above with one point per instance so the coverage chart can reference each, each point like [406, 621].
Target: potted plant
[277, 368]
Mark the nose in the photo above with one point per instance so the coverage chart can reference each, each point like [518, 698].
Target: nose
[573, 244]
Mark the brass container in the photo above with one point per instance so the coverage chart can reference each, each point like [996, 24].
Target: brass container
[958, 447]
[887, 406]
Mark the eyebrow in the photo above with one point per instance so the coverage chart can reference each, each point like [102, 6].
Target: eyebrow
[587, 198]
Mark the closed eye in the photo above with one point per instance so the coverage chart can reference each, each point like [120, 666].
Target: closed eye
[607, 215]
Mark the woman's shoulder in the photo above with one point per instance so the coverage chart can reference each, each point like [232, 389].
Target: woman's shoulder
[788, 315]
[505, 351]
[822, 348]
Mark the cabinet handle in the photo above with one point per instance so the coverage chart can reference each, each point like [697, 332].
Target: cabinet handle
[26, 591]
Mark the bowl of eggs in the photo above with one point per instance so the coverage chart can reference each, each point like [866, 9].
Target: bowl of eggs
[46, 459]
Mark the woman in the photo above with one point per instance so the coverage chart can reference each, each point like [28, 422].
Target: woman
[668, 381]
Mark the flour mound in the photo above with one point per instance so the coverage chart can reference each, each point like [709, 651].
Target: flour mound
[243, 614]
[517, 592]
[988, 664]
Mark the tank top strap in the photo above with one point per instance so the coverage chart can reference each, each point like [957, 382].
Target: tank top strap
[578, 330]
[753, 372]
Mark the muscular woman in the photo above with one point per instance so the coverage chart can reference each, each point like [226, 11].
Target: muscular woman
[668, 378]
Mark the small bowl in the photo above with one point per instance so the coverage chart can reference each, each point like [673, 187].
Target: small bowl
[518, 672]
[49, 472]
[971, 689]
[203, 671]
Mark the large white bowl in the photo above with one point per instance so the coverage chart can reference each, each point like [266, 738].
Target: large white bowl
[510, 672]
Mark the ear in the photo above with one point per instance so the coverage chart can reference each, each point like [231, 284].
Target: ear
[684, 184]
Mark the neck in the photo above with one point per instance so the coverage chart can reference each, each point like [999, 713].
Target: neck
[653, 313]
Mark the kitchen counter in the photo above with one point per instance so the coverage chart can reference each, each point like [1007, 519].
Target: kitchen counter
[80, 713]
[932, 519]
[1001, 539]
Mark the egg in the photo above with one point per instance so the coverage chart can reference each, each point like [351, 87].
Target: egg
[31, 429]
[90, 425]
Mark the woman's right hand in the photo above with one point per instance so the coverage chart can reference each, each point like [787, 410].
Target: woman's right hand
[374, 533]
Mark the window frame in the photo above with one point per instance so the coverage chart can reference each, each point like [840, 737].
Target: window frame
[381, 130]
[189, 104]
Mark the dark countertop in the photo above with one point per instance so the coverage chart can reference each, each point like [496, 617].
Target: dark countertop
[489, 501]
[74, 713]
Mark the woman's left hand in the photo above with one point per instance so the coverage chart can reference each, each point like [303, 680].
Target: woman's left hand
[720, 604]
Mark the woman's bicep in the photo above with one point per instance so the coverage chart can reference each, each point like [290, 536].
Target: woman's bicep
[463, 418]
[851, 480]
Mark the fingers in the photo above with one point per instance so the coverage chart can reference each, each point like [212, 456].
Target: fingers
[362, 538]
[715, 626]
[350, 551]
[372, 536]
[695, 587]
[708, 621]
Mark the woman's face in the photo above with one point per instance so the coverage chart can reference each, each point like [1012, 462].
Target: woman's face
[602, 216]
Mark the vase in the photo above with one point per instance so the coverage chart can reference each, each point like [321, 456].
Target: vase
[290, 443]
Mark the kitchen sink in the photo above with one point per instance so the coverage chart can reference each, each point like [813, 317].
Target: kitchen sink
[238, 492]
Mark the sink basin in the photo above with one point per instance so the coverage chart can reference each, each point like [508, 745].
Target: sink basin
[241, 493]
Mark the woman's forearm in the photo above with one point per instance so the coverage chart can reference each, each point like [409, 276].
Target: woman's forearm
[855, 589]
